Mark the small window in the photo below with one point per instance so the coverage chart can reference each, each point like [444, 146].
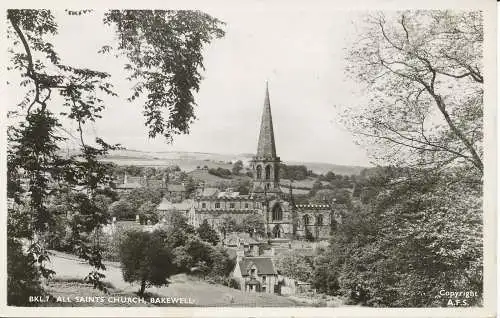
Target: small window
[231, 205]
[217, 205]
[306, 219]
[203, 205]
[246, 205]
[319, 220]
[263, 278]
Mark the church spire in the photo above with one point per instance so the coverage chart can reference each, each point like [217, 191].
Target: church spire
[266, 146]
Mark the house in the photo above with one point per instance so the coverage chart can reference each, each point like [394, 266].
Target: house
[129, 184]
[256, 274]
[176, 192]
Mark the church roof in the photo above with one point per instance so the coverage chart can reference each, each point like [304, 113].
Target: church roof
[266, 146]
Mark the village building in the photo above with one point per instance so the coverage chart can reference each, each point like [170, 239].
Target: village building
[256, 274]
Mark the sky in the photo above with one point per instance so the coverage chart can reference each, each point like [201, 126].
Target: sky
[301, 53]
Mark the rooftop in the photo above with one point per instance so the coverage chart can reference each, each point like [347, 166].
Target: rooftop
[264, 264]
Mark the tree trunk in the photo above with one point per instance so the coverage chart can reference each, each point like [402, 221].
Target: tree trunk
[143, 288]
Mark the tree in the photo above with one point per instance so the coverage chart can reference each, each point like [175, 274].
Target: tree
[122, 210]
[166, 80]
[295, 265]
[207, 233]
[325, 273]
[148, 212]
[237, 167]
[138, 197]
[243, 186]
[252, 224]
[228, 225]
[190, 185]
[146, 259]
[423, 75]
[416, 235]
[191, 253]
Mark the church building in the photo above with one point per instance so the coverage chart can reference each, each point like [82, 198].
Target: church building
[283, 219]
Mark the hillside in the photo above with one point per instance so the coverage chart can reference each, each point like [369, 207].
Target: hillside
[189, 161]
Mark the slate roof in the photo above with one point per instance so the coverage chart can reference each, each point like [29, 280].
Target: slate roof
[265, 265]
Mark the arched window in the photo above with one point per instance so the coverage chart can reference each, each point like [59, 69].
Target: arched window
[268, 172]
[277, 213]
[259, 172]
[319, 220]
[306, 219]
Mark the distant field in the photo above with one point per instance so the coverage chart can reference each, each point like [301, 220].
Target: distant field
[188, 161]
[184, 164]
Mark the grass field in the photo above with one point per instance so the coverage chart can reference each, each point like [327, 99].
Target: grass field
[70, 271]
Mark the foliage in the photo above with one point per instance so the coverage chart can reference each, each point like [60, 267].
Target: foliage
[325, 273]
[339, 196]
[146, 259]
[243, 186]
[23, 279]
[296, 266]
[138, 197]
[148, 213]
[207, 233]
[420, 235]
[228, 225]
[419, 227]
[237, 167]
[252, 224]
[164, 48]
[422, 72]
[220, 172]
[293, 172]
[190, 185]
[34, 138]
[122, 210]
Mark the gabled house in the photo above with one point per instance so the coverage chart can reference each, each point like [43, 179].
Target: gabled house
[256, 274]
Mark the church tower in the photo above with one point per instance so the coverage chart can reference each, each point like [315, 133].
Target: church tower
[266, 164]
